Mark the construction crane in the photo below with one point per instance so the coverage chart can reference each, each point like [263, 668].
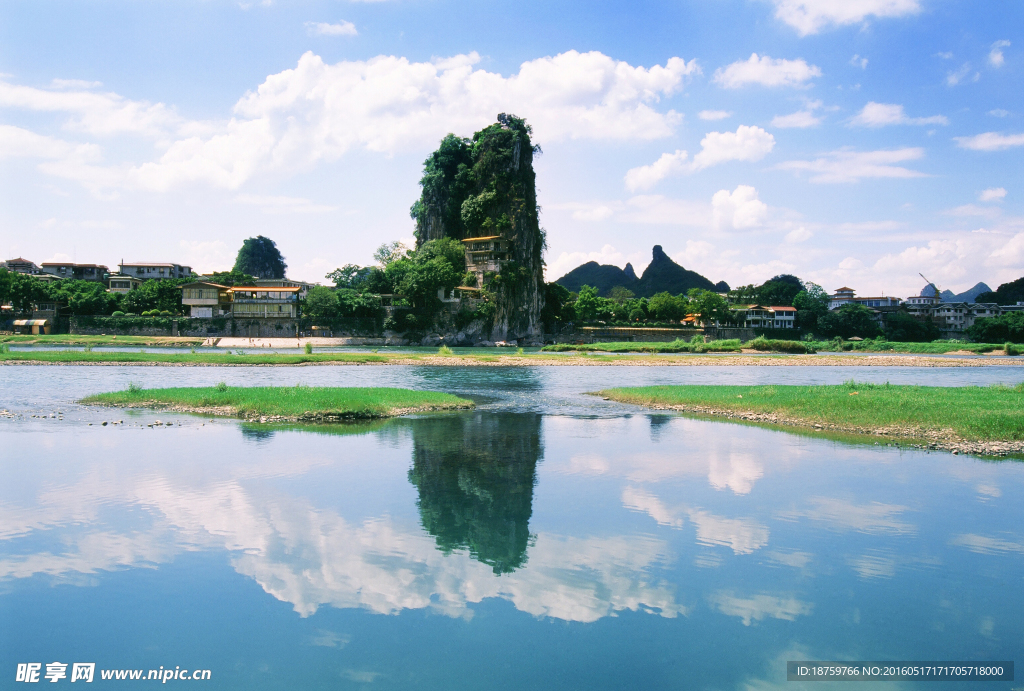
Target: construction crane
[933, 285]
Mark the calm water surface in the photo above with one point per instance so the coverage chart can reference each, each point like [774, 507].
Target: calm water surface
[547, 539]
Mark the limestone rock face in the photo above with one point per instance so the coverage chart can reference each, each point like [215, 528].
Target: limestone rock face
[486, 187]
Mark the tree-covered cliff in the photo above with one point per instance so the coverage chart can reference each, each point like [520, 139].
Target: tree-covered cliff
[486, 186]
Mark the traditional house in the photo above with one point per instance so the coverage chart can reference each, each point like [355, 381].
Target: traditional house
[22, 266]
[121, 283]
[846, 296]
[79, 272]
[285, 283]
[485, 255]
[206, 300]
[257, 302]
[155, 271]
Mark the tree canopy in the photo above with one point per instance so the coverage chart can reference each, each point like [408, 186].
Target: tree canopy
[260, 257]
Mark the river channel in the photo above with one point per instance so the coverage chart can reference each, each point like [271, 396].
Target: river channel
[545, 540]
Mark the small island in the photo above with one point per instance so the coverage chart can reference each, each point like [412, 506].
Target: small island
[987, 420]
[284, 403]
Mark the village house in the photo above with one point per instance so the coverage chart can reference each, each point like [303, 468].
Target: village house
[206, 300]
[846, 296]
[761, 317]
[22, 266]
[121, 283]
[78, 272]
[256, 302]
[485, 255]
[285, 283]
[155, 271]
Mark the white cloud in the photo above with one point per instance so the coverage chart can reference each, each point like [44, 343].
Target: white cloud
[739, 210]
[714, 114]
[995, 56]
[645, 177]
[757, 607]
[102, 114]
[858, 61]
[741, 535]
[798, 235]
[283, 205]
[747, 143]
[990, 141]
[324, 29]
[810, 16]
[799, 119]
[882, 114]
[657, 209]
[846, 165]
[992, 194]
[955, 77]
[74, 84]
[766, 72]
[16, 142]
[973, 210]
[999, 113]
[948, 55]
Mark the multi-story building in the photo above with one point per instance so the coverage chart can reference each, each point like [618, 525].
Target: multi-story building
[256, 302]
[154, 270]
[79, 272]
[206, 300]
[485, 255]
[285, 283]
[761, 317]
[846, 296]
[22, 266]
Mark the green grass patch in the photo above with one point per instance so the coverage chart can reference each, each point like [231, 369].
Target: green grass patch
[85, 340]
[677, 346]
[773, 345]
[976, 413]
[289, 402]
[205, 358]
[877, 346]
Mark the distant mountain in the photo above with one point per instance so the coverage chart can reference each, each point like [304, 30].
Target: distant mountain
[1007, 294]
[661, 275]
[969, 295]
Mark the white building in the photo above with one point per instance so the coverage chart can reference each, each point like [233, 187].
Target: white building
[155, 271]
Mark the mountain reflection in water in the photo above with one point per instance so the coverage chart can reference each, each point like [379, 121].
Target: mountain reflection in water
[475, 475]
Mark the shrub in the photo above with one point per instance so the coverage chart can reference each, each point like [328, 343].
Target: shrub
[779, 346]
[445, 350]
[117, 313]
[309, 348]
[722, 346]
[221, 386]
[133, 387]
[1011, 349]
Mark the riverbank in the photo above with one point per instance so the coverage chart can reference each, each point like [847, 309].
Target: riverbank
[497, 359]
[88, 340]
[284, 403]
[972, 419]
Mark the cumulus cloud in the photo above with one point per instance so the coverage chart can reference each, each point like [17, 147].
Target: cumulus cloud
[757, 607]
[882, 114]
[324, 29]
[738, 210]
[995, 56]
[990, 141]
[798, 235]
[846, 165]
[858, 61]
[811, 16]
[800, 119]
[747, 143]
[992, 194]
[766, 72]
[102, 114]
[645, 177]
[714, 114]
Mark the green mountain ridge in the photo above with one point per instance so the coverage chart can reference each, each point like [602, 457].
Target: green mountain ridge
[661, 275]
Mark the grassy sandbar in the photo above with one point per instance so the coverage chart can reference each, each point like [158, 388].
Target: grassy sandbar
[979, 419]
[285, 402]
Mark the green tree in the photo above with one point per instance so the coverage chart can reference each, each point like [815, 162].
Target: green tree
[708, 306]
[1005, 327]
[902, 326]
[5, 286]
[232, 278]
[390, 252]
[447, 179]
[83, 297]
[665, 306]
[848, 321]
[260, 257]
[156, 295]
[811, 304]
[779, 290]
[25, 291]
[620, 294]
[586, 304]
[556, 298]
[351, 276]
[321, 305]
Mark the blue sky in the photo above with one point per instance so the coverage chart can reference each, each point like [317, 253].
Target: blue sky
[851, 142]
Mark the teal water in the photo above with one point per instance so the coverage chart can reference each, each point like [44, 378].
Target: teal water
[546, 540]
